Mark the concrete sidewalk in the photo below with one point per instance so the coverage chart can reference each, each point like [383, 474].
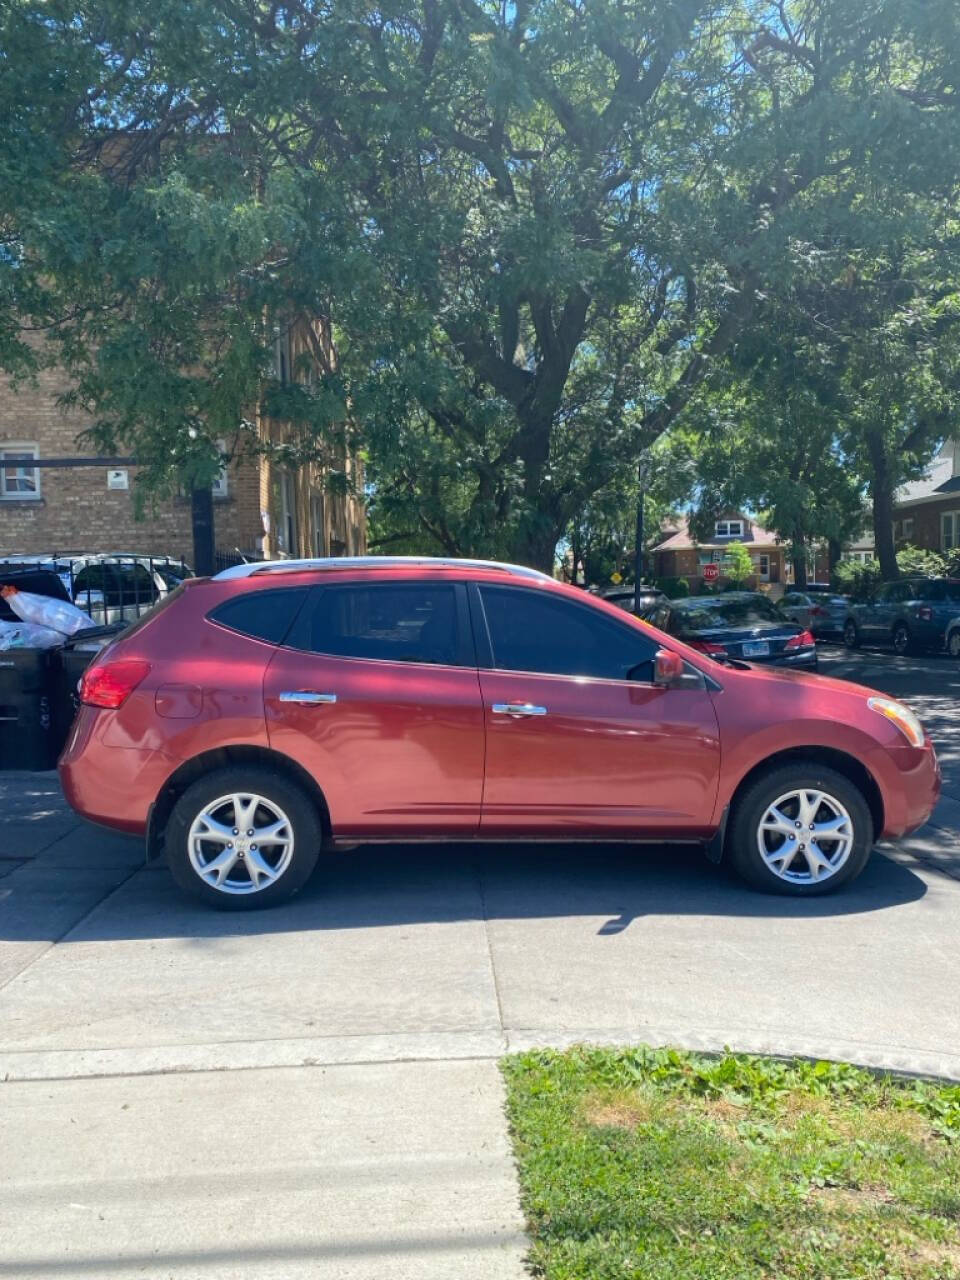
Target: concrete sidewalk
[378, 1171]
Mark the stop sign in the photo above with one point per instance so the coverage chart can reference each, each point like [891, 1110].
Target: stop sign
[711, 572]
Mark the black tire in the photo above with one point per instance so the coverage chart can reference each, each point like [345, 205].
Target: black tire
[953, 644]
[302, 824]
[851, 634]
[758, 796]
[901, 639]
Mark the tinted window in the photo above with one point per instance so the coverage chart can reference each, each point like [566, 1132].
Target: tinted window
[734, 611]
[262, 615]
[531, 631]
[410, 622]
[793, 597]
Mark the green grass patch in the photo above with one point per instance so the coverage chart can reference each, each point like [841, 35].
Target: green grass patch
[660, 1165]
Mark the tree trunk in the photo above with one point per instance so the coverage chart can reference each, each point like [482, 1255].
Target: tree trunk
[799, 562]
[881, 494]
[536, 546]
[834, 552]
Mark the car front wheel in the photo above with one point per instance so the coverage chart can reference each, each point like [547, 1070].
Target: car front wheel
[243, 838]
[800, 829]
[953, 644]
[851, 636]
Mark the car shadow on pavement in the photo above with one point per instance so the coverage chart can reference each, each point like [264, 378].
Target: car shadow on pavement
[609, 886]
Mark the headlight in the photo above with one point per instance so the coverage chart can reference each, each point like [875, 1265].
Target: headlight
[902, 717]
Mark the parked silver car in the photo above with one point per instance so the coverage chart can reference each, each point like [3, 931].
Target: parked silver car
[822, 611]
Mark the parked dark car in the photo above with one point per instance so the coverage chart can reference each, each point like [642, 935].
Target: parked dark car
[737, 624]
[634, 601]
[909, 615]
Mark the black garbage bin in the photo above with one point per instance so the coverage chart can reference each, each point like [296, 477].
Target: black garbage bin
[71, 662]
[28, 738]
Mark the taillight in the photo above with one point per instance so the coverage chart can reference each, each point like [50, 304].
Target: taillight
[925, 613]
[111, 684]
[801, 641]
[707, 646]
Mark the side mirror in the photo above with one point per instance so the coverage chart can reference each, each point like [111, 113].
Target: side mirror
[668, 670]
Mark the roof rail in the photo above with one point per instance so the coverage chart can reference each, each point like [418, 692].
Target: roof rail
[373, 562]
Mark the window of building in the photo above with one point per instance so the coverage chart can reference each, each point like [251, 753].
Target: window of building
[906, 527]
[729, 528]
[533, 632]
[949, 530]
[287, 532]
[762, 565]
[220, 486]
[18, 479]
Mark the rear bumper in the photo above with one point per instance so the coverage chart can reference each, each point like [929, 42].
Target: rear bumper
[111, 786]
[802, 660]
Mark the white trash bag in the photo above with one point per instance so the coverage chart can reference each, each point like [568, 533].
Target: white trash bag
[45, 611]
[28, 635]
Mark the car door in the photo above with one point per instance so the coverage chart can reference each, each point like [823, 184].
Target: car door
[574, 746]
[871, 613]
[375, 693]
[890, 609]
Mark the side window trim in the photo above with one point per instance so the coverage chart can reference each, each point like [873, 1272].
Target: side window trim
[489, 664]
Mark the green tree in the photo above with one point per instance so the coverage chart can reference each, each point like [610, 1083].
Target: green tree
[538, 228]
[737, 566]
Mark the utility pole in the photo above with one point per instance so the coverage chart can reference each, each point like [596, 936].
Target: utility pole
[201, 514]
[642, 481]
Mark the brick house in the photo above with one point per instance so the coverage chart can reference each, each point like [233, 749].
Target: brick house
[680, 555]
[927, 511]
[260, 508]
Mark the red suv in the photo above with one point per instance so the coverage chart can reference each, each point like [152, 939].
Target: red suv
[254, 717]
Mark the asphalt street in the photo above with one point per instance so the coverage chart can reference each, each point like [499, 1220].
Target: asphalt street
[313, 1090]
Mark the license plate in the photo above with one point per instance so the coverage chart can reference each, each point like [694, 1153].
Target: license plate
[756, 648]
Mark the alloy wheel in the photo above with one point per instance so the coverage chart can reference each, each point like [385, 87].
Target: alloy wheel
[805, 836]
[953, 644]
[850, 635]
[240, 843]
[901, 639]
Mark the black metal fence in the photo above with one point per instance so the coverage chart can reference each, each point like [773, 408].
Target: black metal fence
[110, 588]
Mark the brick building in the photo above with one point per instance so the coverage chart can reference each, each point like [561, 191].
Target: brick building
[680, 555]
[927, 511]
[260, 508]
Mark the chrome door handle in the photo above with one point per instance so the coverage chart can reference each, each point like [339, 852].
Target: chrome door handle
[518, 709]
[307, 697]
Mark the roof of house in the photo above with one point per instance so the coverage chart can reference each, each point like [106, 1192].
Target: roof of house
[753, 536]
[937, 480]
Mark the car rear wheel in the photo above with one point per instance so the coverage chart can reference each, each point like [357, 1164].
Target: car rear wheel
[243, 838]
[851, 636]
[800, 829]
[902, 641]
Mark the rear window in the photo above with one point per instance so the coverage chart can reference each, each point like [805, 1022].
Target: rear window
[261, 615]
[735, 612]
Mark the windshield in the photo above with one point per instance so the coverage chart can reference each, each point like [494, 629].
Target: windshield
[736, 611]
